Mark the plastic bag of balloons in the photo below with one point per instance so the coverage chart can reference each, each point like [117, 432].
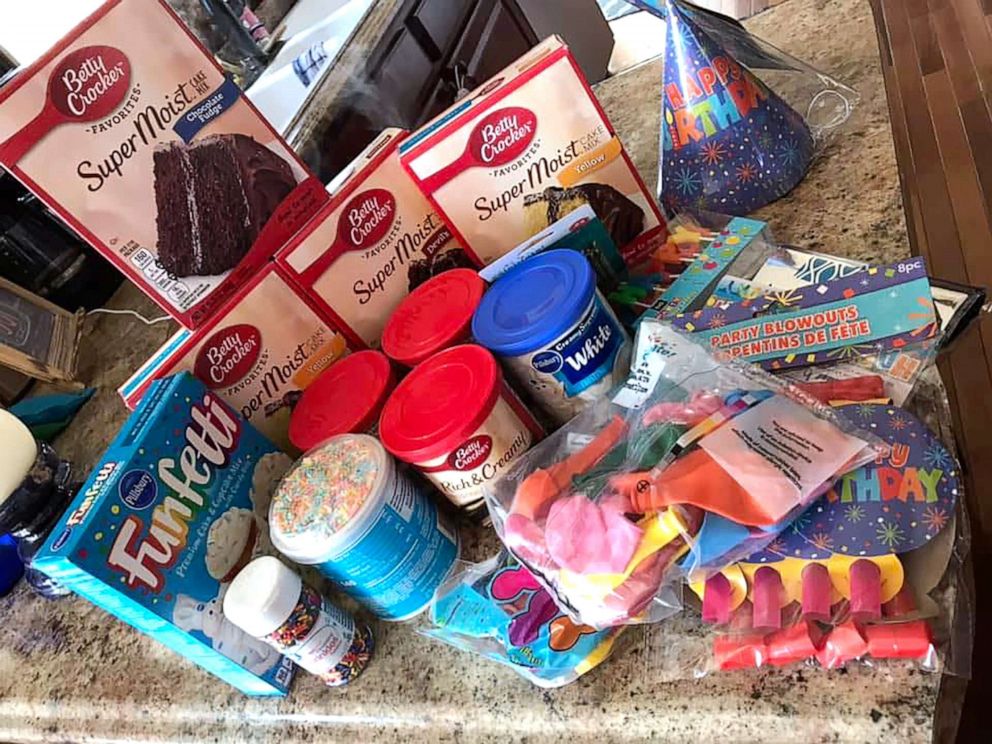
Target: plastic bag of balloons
[693, 464]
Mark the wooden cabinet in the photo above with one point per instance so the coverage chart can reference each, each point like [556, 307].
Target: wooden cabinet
[431, 50]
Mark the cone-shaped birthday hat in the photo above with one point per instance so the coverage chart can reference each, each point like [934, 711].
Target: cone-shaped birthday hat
[729, 144]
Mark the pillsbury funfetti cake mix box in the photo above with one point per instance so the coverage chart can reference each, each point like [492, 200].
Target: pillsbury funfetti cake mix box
[130, 131]
[171, 513]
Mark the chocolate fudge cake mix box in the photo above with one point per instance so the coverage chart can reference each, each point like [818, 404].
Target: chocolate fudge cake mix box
[173, 510]
[525, 149]
[376, 241]
[259, 352]
[130, 131]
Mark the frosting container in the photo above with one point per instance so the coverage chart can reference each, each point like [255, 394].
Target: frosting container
[269, 601]
[348, 511]
[455, 419]
[345, 399]
[556, 335]
[435, 316]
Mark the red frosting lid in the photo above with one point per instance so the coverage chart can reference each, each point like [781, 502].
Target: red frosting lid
[346, 397]
[441, 403]
[434, 316]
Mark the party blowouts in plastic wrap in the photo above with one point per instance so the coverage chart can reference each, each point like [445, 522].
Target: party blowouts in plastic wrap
[729, 143]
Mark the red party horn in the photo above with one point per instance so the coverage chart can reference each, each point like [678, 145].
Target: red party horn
[87, 85]
[843, 644]
[716, 600]
[817, 592]
[866, 591]
[855, 389]
[739, 651]
[902, 604]
[911, 640]
[766, 595]
[792, 644]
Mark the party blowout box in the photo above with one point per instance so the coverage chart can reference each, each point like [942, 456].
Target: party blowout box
[259, 352]
[171, 512]
[378, 240]
[131, 132]
[525, 149]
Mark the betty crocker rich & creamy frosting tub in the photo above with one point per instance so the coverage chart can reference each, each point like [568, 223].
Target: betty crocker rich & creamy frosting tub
[455, 419]
[131, 132]
[348, 510]
[555, 333]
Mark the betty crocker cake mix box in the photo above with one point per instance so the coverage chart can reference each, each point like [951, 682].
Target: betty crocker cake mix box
[525, 149]
[130, 131]
[176, 506]
[258, 352]
[376, 241]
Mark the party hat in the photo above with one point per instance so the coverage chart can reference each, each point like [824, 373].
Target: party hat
[729, 143]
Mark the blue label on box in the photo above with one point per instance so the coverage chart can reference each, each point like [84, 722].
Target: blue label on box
[881, 309]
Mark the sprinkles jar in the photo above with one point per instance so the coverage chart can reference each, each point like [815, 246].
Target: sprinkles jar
[346, 509]
[270, 602]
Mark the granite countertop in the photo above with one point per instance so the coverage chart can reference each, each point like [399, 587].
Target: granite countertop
[70, 672]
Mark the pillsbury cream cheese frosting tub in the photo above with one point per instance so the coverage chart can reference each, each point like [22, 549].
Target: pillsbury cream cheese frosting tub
[347, 510]
[554, 332]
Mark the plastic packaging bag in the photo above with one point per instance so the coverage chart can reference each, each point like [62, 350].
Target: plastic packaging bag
[497, 609]
[869, 572]
[695, 463]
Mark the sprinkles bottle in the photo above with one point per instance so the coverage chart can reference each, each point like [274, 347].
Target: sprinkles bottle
[270, 602]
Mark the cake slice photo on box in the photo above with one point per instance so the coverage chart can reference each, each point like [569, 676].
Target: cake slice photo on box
[213, 198]
[130, 131]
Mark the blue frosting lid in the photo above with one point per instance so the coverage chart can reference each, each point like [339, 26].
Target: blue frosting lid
[534, 303]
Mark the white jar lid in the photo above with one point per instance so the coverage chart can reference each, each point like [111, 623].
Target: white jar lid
[262, 596]
[17, 455]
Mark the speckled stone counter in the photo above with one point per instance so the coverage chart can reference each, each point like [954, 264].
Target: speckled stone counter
[70, 672]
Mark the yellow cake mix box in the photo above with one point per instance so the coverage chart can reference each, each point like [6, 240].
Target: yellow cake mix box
[259, 352]
[130, 131]
[376, 241]
[523, 150]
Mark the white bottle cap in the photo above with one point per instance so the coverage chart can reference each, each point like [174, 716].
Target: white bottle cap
[262, 596]
[17, 455]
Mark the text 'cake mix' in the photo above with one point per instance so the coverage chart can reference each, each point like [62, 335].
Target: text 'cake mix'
[524, 150]
[378, 240]
[130, 131]
[259, 352]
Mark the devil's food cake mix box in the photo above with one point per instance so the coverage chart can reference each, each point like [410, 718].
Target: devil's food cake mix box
[377, 240]
[130, 131]
[176, 506]
[258, 352]
[525, 149]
